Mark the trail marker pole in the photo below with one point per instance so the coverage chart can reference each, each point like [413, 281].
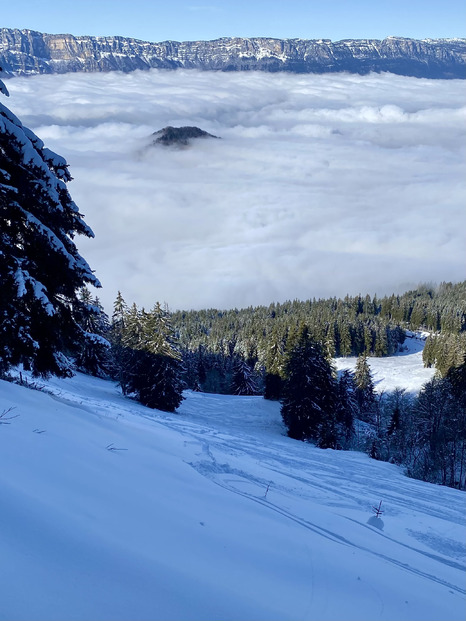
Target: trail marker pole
[377, 510]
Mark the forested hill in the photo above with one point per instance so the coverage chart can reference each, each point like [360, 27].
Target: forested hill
[348, 326]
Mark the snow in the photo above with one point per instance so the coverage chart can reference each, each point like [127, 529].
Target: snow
[404, 370]
[96, 338]
[21, 285]
[111, 510]
[40, 294]
[39, 291]
[75, 262]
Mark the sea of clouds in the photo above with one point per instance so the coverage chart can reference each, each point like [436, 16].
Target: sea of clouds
[321, 185]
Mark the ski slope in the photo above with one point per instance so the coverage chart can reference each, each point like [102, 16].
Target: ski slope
[404, 370]
[113, 511]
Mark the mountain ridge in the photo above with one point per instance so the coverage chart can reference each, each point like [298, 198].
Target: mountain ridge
[28, 52]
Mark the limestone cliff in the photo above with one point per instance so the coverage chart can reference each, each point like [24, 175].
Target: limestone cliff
[25, 52]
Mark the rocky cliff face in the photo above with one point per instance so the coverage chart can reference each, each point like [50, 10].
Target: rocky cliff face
[24, 52]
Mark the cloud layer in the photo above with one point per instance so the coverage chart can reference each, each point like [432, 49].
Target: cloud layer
[320, 186]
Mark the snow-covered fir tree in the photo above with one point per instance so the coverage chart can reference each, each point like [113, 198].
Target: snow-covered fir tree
[346, 408]
[93, 356]
[243, 381]
[309, 392]
[120, 309]
[41, 270]
[365, 391]
[274, 363]
[146, 360]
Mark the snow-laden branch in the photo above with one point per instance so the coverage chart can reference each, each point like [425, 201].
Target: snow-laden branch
[74, 262]
[22, 278]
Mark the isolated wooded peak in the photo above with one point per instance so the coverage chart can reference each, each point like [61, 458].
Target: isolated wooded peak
[179, 135]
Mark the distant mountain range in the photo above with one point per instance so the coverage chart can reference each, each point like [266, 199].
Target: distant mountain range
[26, 52]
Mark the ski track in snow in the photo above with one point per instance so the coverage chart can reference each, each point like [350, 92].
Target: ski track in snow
[239, 444]
[238, 481]
[322, 484]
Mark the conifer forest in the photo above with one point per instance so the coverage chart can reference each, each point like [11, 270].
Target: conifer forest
[285, 352]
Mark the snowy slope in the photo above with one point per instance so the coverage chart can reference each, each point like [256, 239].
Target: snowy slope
[404, 370]
[176, 521]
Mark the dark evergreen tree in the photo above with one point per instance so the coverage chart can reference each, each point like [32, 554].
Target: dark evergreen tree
[381, 343]
[346, 408]
[40, 267]
[243, 381]
[309, 391]
[444, 351]
[120, 310]
[201, 366]
[365, 392]
[345, 338]
[149, 362]
[440, 431]
[274, 363]
[457, 378]
[156, 382]
[93, 355]
[395, 420]
[272, 386]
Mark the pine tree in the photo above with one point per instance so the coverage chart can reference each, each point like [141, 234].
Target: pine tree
[191, 373]
[398, 415]
[308, 400]
[132, 336]
[346, 407]
[368, 340]
[93, 355]
[158, 334]
[365, 392]
[40, 267]
[457, 378]
[381, 342]
[120, 310]
[345, 338]
[274, 363]
[243, 381]
[440, 433]
[149, 363]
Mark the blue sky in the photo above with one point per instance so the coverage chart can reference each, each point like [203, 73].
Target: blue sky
[180, 20]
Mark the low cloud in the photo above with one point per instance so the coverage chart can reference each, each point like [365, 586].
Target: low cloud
[320, 186]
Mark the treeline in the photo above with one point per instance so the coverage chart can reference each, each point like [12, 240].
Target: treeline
[444, 351]
[244, 351]
[213, 340]
[346, 327]
[435, 309]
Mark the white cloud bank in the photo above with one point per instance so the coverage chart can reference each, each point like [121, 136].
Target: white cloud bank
[320, 186]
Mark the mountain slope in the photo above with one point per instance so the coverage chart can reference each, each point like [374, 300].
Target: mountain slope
[114, 511]
[24, 52]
